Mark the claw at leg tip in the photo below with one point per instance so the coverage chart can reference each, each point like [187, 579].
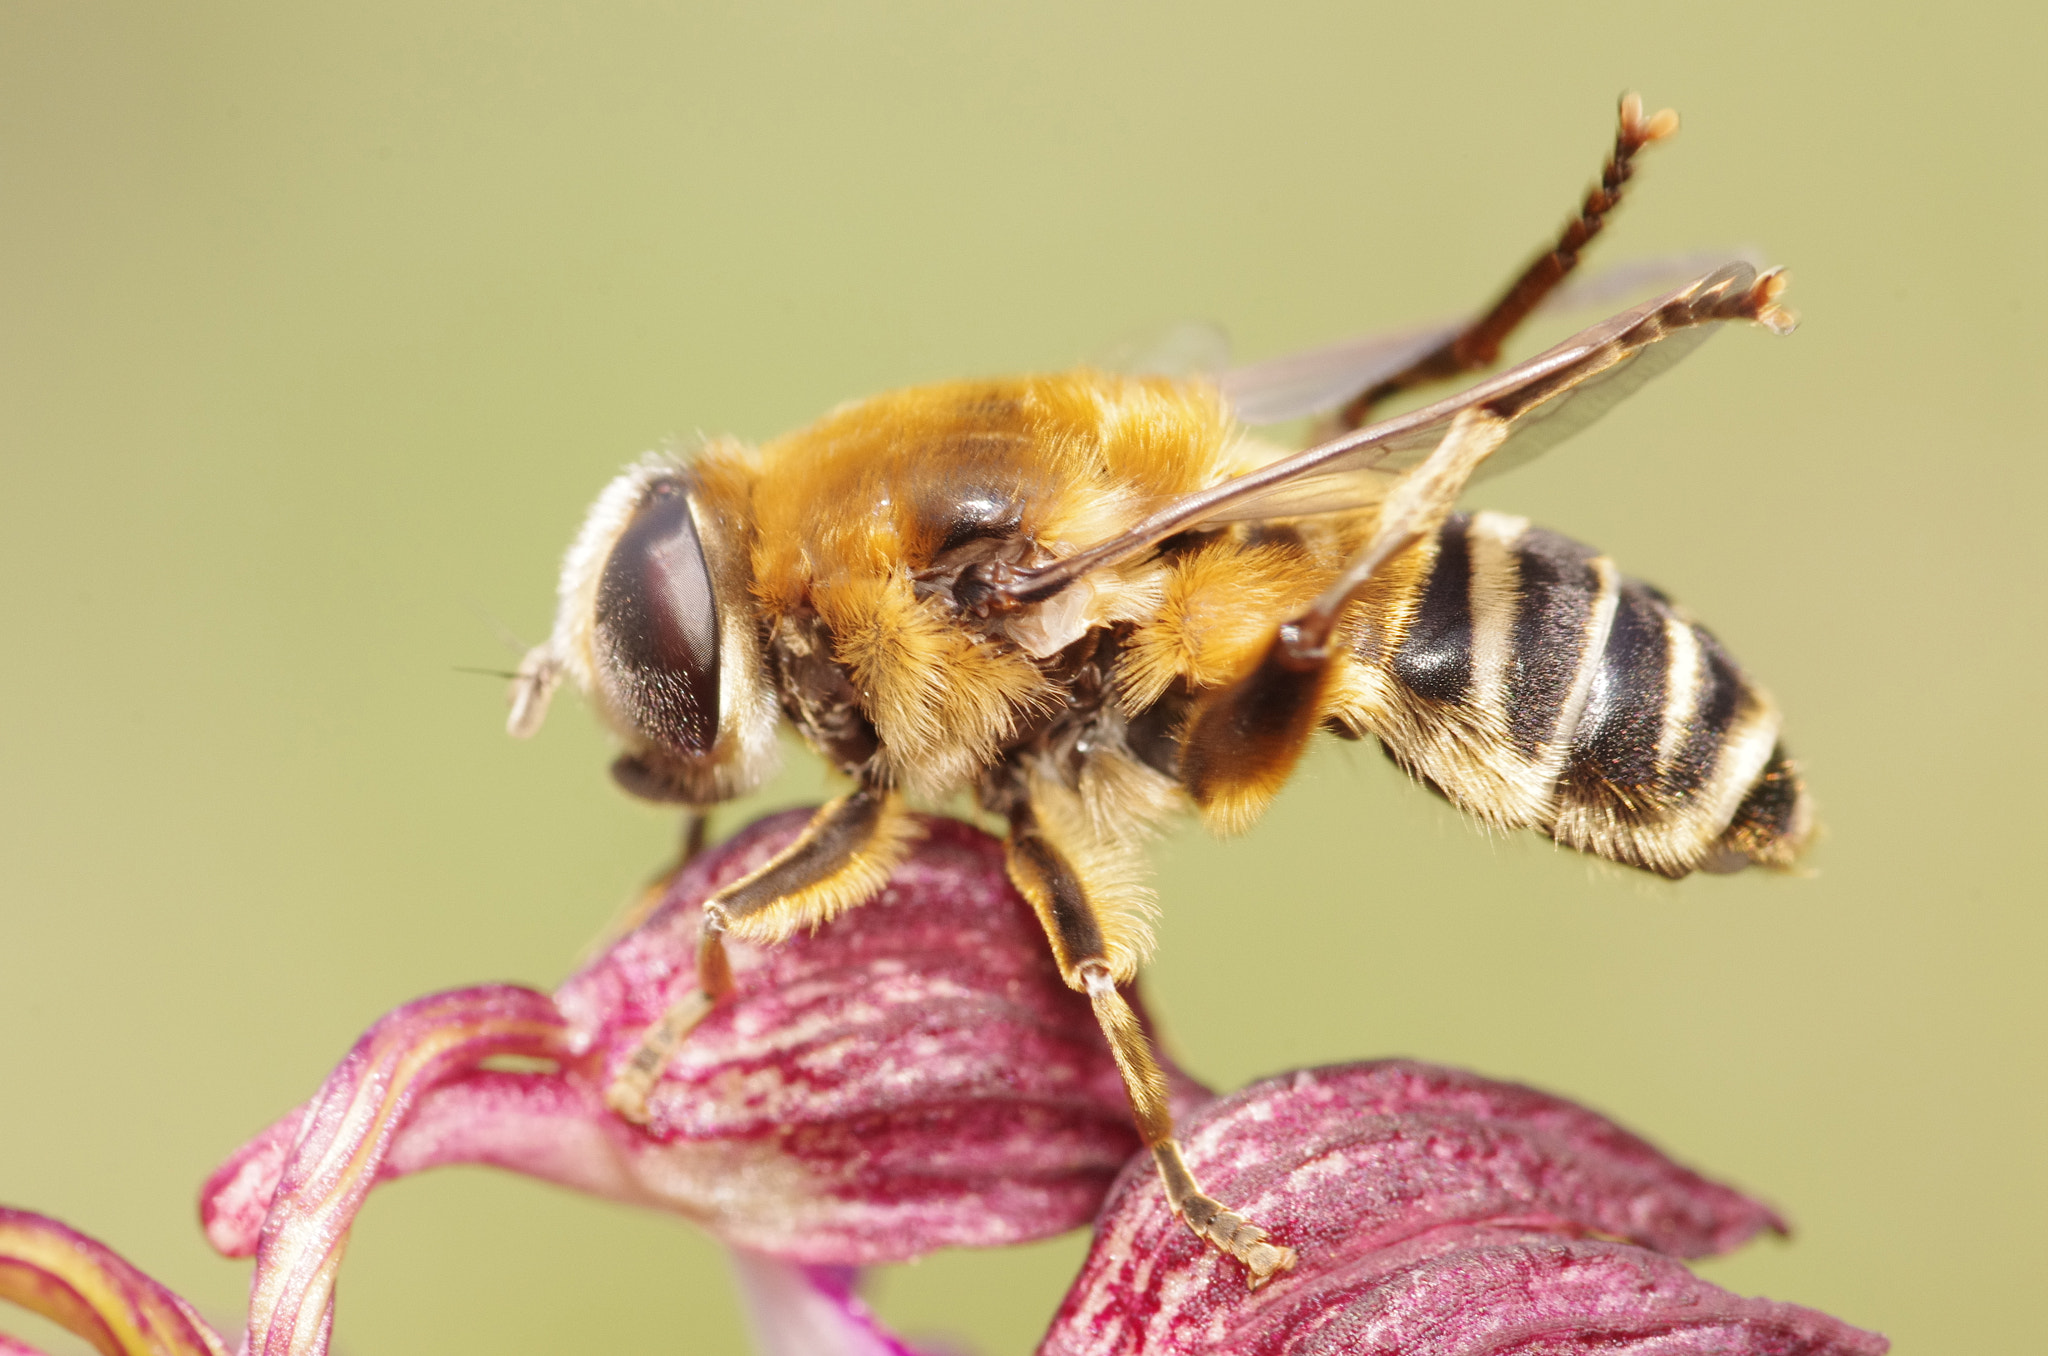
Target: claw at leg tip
[1265, 1261]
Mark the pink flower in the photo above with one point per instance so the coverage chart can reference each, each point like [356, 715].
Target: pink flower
[1435, 1212]
[88, 1288]
[914, 1078]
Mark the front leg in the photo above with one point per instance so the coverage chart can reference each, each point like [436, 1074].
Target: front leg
[840, 860]
[1075, 927]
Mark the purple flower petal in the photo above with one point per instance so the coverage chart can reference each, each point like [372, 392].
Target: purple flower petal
[89, 1289]
[1435, 1211]
[913, 1076]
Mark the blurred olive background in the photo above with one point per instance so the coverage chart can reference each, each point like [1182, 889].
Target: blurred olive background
[323, 324]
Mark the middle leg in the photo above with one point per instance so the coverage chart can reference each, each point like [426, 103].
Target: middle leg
[1045, 876]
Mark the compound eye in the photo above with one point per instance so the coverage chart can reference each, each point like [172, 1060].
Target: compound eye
[657, 625]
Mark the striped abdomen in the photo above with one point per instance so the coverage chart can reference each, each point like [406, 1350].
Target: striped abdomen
[1538, 688]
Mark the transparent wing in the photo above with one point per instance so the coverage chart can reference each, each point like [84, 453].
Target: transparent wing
[1633, 280]
[1359, 478]
[1546, 400]
[1318, 380]
[1541, 402]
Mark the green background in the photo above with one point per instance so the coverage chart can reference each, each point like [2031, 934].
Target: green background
[323, 324]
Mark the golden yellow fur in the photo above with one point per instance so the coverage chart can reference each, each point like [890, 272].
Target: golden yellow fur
[941, 700]
[1217, 609]
[844, 514]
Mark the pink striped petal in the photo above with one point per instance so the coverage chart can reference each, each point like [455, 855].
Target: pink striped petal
[1434, 1211]
[913, 1076]
[915, 1073]
[1461, 1288]
[91, 1290]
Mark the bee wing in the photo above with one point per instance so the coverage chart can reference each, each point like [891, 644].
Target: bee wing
[1361, 477]
[1545, 400]
[1538, 403]
[1615, 285]
[1318, 380]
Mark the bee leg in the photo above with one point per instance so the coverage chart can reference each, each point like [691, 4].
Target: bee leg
[1244, 739]
[843, 856]
[1477, 346]
[1209, 1219]
[1044, 876]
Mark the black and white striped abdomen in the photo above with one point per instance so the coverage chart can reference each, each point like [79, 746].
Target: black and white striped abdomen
[1536, 687]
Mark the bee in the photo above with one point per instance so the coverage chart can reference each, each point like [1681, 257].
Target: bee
[1093, 602]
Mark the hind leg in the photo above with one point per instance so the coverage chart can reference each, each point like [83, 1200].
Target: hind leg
[1075, 928]
[1477, 346]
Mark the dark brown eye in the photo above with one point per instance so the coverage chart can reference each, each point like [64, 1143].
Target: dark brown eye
[657, 626]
